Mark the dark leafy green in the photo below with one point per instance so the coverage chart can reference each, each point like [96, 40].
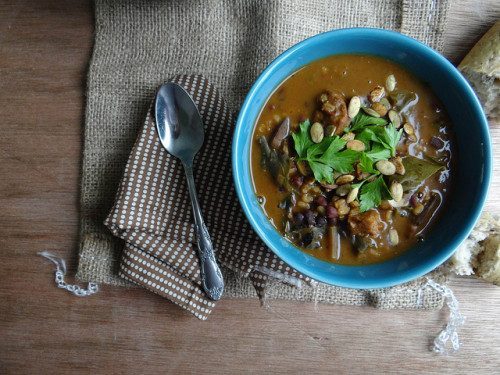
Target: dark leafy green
[277, 163]
[417, 170]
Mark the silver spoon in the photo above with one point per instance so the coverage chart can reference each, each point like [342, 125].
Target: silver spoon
[180, 129]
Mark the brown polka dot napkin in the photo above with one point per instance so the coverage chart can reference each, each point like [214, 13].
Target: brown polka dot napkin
[152, 212]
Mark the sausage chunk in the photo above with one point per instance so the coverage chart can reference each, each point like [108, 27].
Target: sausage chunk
[336, 109]
[366, 224]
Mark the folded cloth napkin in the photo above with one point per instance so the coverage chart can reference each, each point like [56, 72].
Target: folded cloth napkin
[152, 212]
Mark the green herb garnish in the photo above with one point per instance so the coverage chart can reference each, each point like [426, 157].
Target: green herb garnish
[361, 121]
[378, 152]
[372, 194]
[366, 164]
[389, 137]
[325, 157]
[301, 139]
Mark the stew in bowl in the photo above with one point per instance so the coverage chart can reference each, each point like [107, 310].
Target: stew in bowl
[362, 158]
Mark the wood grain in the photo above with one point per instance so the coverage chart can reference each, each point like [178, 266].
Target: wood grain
[44, 52]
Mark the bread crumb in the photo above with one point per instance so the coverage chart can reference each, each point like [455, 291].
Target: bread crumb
[475, 254]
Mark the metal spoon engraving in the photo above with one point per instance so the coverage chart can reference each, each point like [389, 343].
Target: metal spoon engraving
[180, 129]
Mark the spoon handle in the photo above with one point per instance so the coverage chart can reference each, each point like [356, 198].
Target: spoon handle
[211, 277]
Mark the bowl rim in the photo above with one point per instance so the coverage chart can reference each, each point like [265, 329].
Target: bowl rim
[412, 273]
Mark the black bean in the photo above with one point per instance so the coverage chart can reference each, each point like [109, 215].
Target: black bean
[310, 217]
[321, 221]
[298, 218]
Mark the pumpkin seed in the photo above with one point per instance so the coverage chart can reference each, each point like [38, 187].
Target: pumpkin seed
[370, 112]
[317, 132]
[356, 145]
[343, 190]
[412, 138]
[328, 187]
[395, 118]
[393, 237]
[390, 83]
[385, 103]
[379, 108]
[353, 194]
[400, 167]
[396, 191]
[376, 94]
[408, 128]
[385, 167]
[354, 106]
[344, 179]
[348, 136]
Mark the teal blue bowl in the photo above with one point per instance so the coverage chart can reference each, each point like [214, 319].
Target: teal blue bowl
[471, 176]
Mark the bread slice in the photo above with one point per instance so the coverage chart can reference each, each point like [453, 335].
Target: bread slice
[488, 266]
[481, 67]
[480, 253]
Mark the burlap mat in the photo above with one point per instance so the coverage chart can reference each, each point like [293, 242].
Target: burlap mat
[140, 44]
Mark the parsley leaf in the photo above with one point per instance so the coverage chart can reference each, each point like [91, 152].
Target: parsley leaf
[366, 164]
[319, 148]
[372, 193]
[325, 157]
[322, 172]
[389, 136]
[378, 152]
[366, 136]
[341, 161]
[301, 140]
[334, 147]
[361, 121]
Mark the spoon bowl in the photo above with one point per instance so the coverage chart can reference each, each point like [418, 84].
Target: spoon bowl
[178, 122]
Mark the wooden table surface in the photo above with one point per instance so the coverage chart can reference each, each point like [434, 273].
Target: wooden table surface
[44, 52]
